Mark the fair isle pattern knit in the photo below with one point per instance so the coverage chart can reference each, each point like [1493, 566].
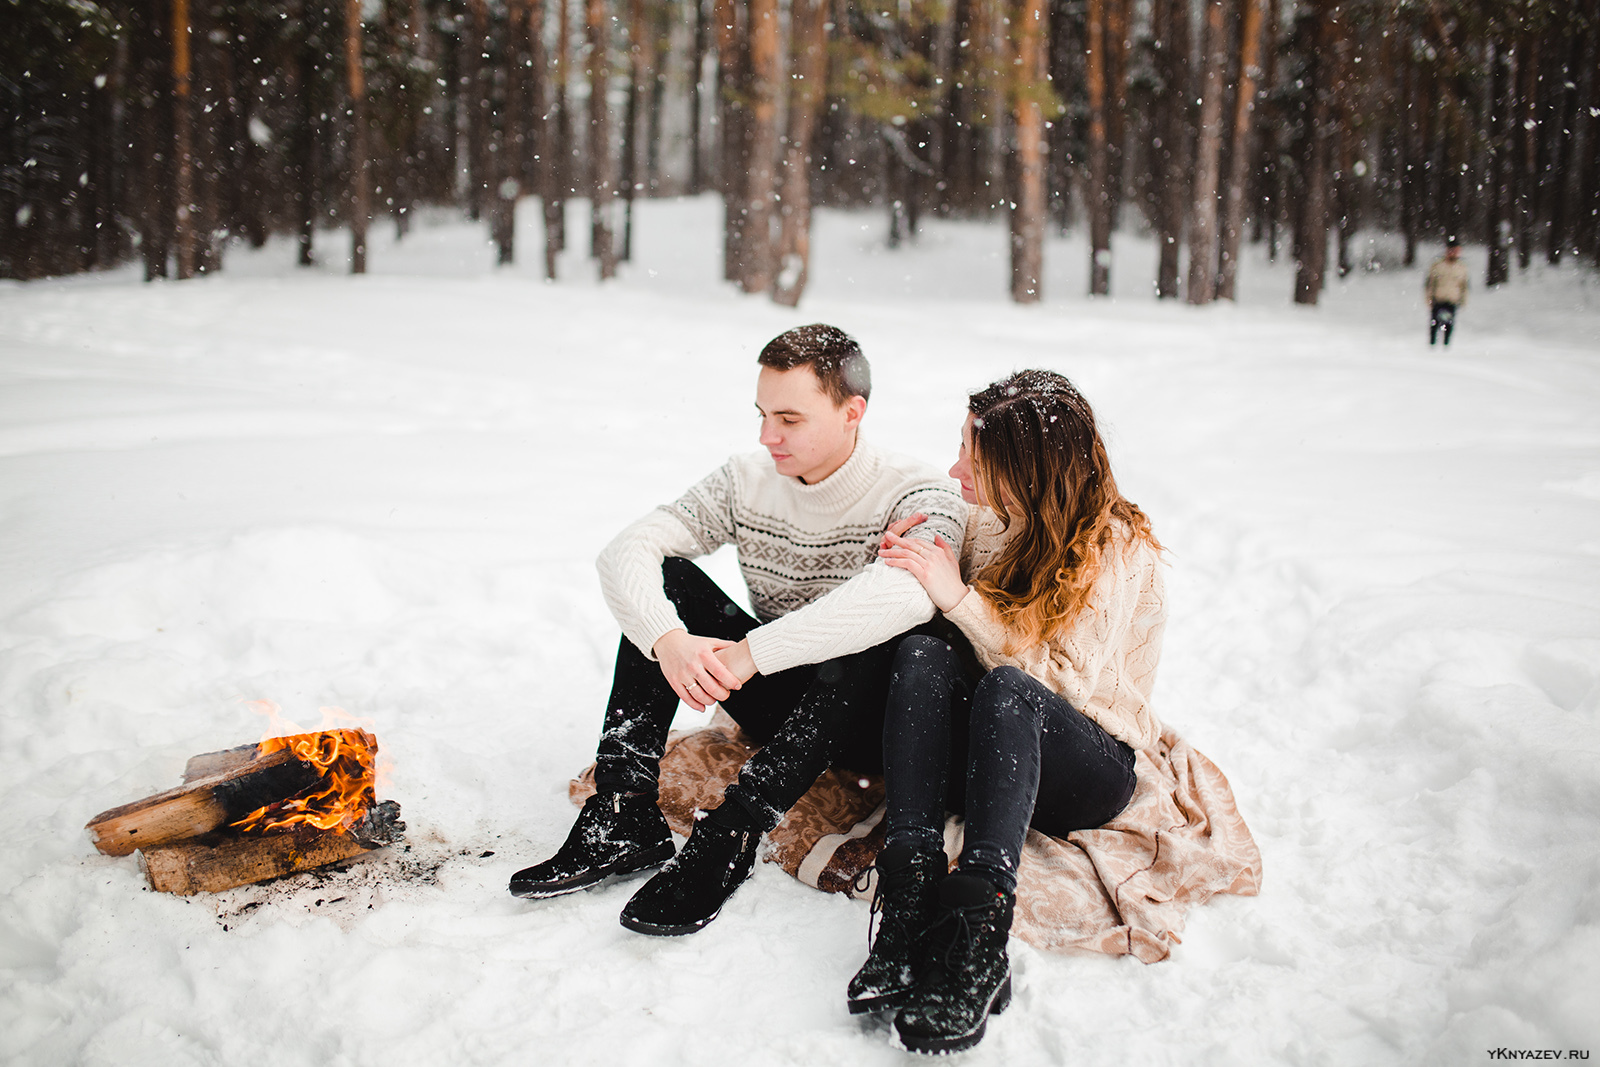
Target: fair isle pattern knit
[1105, 663]
[797, 544]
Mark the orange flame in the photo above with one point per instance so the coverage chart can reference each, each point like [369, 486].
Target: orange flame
[345, 758]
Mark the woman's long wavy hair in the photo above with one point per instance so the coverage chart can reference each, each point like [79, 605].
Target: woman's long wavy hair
[1038, 460]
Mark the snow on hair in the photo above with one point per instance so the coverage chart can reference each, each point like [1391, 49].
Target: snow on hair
[1036, 447]
[833, 356]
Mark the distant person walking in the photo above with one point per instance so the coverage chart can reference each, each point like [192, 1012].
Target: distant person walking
[1446, 289]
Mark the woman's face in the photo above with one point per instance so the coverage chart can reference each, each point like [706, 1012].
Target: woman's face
[962, 470]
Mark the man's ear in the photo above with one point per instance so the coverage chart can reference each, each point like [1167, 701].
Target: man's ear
[854, 409]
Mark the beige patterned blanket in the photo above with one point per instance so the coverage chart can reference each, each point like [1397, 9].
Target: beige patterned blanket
[1122, 889]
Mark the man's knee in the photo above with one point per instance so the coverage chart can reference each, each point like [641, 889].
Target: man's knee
[1007, 691]
[920, 652]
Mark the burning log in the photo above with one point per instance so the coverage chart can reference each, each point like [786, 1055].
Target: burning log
[242, 859]
[255, 812]
[203, 804]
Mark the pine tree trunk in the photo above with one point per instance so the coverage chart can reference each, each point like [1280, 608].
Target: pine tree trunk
[558, 153]
[1497, 196]
[360, 185]
[153, 136]
[1203, 216]
[1561, 150]
[630, 125]
[475, 98]
[1408, 164]
[602, 180]
[806, 89]
[1311, 252]
[1584, 174]
[697, 73]
[1528, 151]
[183, 142]
[1269, 204]
[1171, 157]
[1118, 18]
[731, 136]
[304, 149]
[1099, 193]
[1241, 157]
[1029, 87]
[766, 68]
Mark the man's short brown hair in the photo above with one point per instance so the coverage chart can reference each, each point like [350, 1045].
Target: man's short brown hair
[833, 356]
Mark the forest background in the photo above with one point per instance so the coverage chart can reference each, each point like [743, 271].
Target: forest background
[166, 129]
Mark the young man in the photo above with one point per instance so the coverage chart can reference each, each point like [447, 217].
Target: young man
[1446, 290]
[807, 678]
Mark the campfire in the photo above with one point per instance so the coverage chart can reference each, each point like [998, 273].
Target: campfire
[247, 814]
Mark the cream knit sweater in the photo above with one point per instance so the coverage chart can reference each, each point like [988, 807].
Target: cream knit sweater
[808, 553]
[1105, 663]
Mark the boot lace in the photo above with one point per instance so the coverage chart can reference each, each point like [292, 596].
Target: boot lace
[958, 921]
[886, 882]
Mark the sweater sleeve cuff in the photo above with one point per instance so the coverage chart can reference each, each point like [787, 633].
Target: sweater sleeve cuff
[767, 651]
[650, 628]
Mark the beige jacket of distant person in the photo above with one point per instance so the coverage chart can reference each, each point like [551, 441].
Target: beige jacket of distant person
[1447, 282]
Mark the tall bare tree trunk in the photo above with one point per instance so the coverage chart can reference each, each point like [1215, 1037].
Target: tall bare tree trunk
[602, 180]
[1171, 29]
[1527, 172]
[766, 68]
[304, 146]
[183, 142]
[1099, 194]
[1202, 287]
[809, 19]
[630, 131]
[1409, 161]
[697, 73]
[1311, 254]
[1116, 41]
[1496, 224]
[360, 185]
[475, 97]
[731, 134]
[558, 145]
[1029, 87]
[1241, 157]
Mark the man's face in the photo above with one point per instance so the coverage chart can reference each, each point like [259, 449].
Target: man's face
[1452, 253]
[806, 433]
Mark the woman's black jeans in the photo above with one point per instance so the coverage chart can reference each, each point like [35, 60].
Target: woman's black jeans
[1006, 751]
[805, 718]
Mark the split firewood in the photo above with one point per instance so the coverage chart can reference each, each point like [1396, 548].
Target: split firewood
[227, 862]
[234, 788]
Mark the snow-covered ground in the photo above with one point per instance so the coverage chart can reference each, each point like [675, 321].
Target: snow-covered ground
[385, 493]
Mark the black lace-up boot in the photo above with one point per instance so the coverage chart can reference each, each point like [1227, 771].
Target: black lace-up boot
[690, 891]
[616, 834]
[908, 900]
[968, 973]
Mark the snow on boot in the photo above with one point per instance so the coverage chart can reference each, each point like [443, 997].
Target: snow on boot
[615, 834]
[968, 974]
[908, 900]
[689, 892]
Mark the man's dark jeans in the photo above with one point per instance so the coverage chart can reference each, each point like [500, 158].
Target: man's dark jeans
[805, 718]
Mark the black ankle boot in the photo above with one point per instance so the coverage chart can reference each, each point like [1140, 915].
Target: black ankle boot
[616, 833]
[908, 898]
[968, 975]
[689, 892]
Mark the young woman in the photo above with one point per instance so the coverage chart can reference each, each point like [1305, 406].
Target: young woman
[1059, 594]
